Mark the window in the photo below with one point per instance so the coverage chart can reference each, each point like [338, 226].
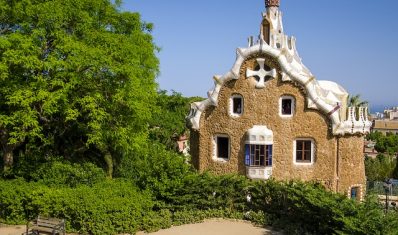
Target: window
[221, 147]
[355, 193]
[258, 155]
[286, 106]
[236, 106]
[304, 151]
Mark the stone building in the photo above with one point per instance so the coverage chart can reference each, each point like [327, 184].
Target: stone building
[269, 117]
[385, 126]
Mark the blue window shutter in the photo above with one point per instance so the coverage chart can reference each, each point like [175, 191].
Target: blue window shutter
[270, 155]
[247, 155]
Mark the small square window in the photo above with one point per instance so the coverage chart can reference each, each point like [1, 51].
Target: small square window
[236, 105]
[304, 152]
[286, 106]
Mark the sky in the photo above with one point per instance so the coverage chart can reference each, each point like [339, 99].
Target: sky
[351, 42]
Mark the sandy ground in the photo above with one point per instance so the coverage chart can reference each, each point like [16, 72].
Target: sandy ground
[12, 230]
[209, 227]
[216, 227]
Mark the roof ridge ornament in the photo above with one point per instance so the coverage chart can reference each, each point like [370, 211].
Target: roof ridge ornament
[272, 3]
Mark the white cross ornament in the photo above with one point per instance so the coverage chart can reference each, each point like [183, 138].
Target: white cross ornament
[261, 73]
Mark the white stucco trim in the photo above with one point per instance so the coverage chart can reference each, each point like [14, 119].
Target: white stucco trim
[260, 135]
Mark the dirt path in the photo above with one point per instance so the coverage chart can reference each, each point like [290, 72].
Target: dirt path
[209, 227]
[216, 227]
[12, 230]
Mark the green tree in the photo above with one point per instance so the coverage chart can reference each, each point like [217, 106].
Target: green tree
[380, 168]
[77, 77]
[169, 120]
[355, 101]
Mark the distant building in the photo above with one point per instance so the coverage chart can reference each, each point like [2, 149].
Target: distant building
[377, 115]
[391, 114]
[369, 149]
[384, 126]
[182, 145]
[269, 117]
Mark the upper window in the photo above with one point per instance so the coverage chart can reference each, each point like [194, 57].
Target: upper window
[236, 105]
[221, 147]
[286, 106]
[304, 151]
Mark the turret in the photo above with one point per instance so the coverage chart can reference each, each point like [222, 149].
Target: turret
[272, 3]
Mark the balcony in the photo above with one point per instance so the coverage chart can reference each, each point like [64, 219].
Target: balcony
[258, 172]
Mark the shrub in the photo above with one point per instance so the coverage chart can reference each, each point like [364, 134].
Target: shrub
[158, 170]
[105, 208]
[69, 174]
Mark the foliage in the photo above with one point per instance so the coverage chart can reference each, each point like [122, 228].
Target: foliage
[168, 121]
[77, 78]
[106, 208]
[355, 101]
[205, 191]
[58, 174]
[385, 143]
[157, 169]
[381, 168]
[302, 208]
[116, 206]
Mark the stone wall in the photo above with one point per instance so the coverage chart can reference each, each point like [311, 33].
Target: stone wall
[261, 107]
[352, 165]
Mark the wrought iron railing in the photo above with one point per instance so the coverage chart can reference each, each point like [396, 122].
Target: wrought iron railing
[378, 188]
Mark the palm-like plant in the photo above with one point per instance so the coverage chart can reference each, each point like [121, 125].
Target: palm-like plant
[355, 101]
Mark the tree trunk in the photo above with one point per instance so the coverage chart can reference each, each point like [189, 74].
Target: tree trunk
[109, 164]
[8, 159]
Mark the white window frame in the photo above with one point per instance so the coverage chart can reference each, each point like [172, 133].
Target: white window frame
[293, 107]
[313, 147]
[215, 149]
[231, 105]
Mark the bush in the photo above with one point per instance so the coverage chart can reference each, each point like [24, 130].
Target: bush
[157, 170]
[116, 206]
[300, 208]
[109, 207]
[205, 191]
[69, 174]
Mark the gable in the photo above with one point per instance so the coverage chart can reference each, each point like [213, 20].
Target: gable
[327, 97]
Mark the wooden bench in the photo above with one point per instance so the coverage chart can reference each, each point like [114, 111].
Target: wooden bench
[45, 225]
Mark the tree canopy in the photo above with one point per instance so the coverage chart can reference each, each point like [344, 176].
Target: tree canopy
[76, 77]
[169, 119]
